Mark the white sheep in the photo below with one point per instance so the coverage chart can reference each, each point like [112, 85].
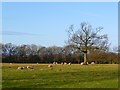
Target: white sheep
[69, 63]
[92, 62]
[61, 63]
[54, 62]
[21, 67]
[82, 63]
[49, 65]
[65, 63]
[29, 67]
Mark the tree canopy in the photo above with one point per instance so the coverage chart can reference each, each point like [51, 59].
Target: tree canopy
[87, 38]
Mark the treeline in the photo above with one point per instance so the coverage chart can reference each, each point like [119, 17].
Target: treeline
[39, 54]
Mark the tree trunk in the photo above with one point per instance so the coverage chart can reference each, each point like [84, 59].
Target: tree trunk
[85, 57]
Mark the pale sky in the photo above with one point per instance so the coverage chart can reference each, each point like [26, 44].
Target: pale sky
[46, 23]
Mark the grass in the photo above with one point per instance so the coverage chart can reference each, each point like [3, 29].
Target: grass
[60, 76]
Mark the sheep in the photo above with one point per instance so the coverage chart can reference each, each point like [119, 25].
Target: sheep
[92, 62]
[21, 67]
[49, 65]
[61, 63]
[82, 63]
[69, 63]
[37, 63]
[65, 63]
[29, 67]
[54, 62]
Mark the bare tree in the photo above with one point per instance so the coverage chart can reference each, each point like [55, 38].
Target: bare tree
[9, 49]
[34, 49]
[87, 38]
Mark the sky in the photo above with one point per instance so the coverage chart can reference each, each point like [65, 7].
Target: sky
[46, 23]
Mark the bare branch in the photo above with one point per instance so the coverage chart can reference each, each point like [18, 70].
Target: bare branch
[86, 38]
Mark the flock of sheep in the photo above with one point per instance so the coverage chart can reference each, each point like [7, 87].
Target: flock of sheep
[22, 67]
[62, 63]
[50, 65]
[70, 63]
[57, 63]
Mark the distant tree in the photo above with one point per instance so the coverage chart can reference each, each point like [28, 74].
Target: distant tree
[34, 48]
[86, 38]
[24, 52]
[56, 52]
[41, 53]
[68, 52]
[9, 49]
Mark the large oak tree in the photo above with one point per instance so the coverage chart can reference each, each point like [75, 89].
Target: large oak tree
[87, 38]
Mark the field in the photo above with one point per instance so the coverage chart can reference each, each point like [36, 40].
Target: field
[60, 76]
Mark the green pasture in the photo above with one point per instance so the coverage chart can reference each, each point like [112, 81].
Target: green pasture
[60, 76]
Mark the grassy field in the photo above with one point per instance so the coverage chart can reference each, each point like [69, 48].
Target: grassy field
[60, 76]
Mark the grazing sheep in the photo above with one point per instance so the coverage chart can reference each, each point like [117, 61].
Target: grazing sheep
[49, 65]
[92, 63]
[69, 63]
[65, 63]
[82, 63]
[37, 63]
[10, 63]
[61, 63]
[29, 67]
[54, 62]
[21, 67]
